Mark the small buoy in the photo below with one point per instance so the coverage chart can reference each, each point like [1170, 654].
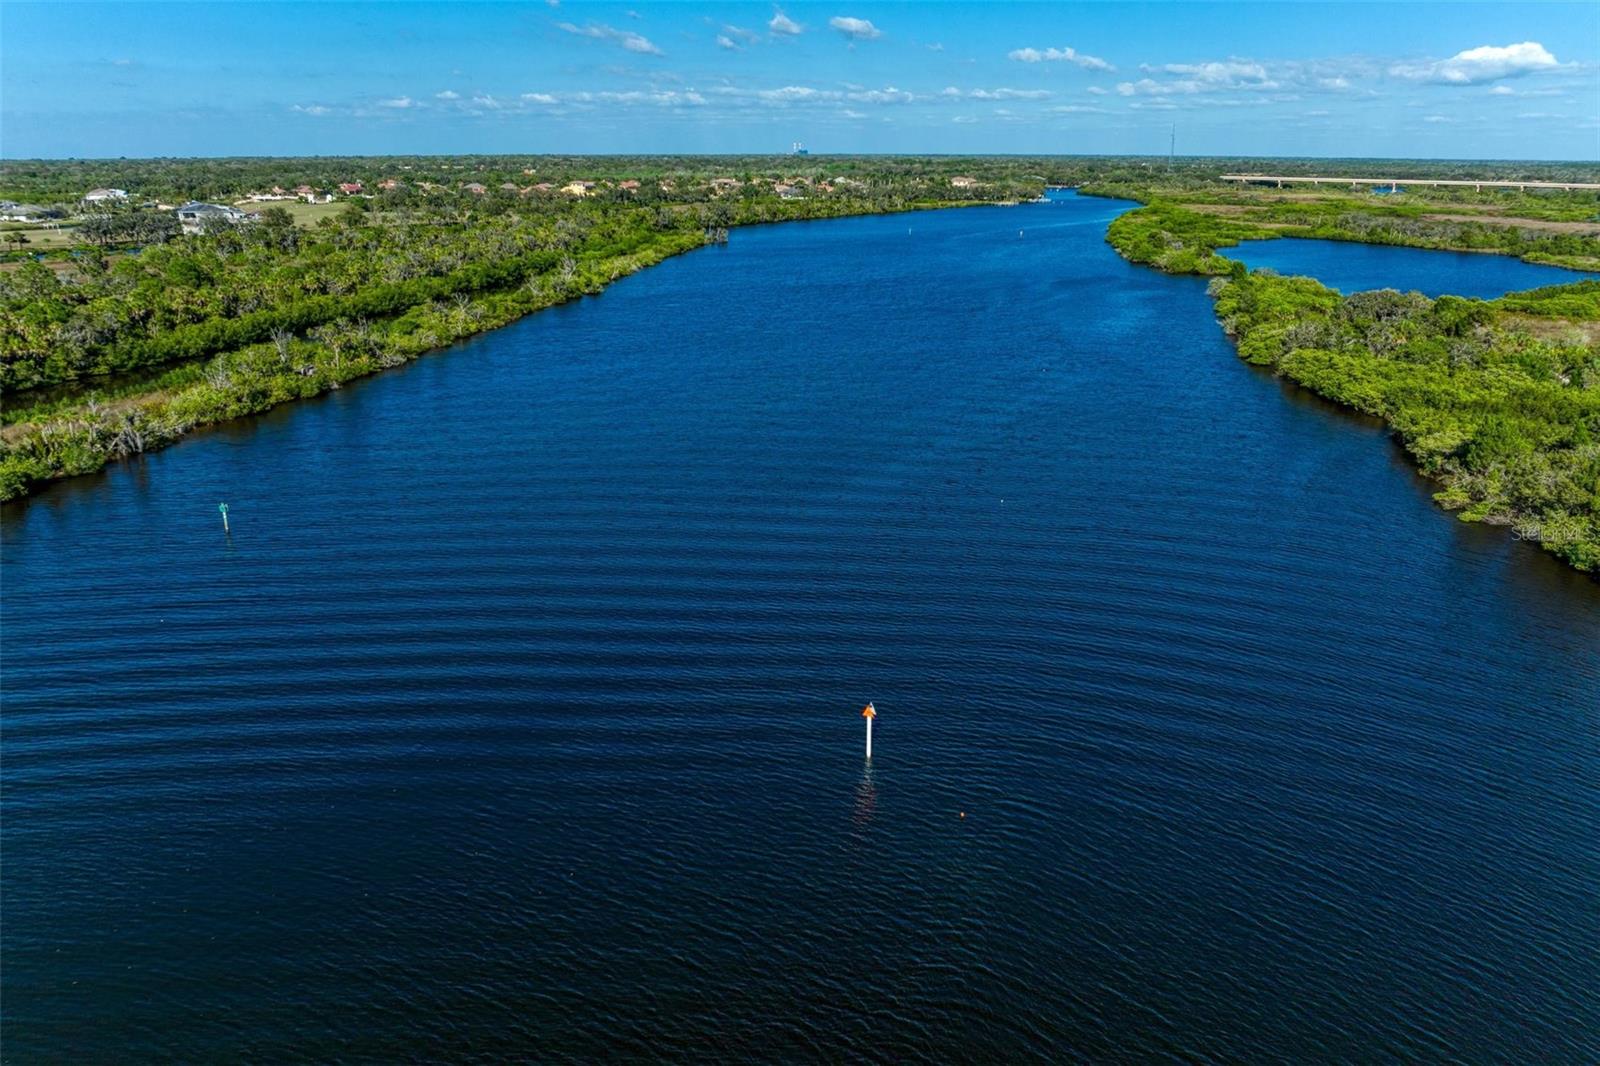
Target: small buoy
[963, 814]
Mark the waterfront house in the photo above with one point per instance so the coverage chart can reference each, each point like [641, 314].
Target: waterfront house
[965, 183]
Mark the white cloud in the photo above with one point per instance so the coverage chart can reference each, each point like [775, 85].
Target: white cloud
[311, 109]
[448, 94]
[783, 26]
[1478, 65]
[1098, 90]
[792, 93]
[1059, 55]
[399, 103]
[633, 42]
[855, 29]
[1339, 74]
[739, 33]
[1076, 109]
[724, 41]
[889, 95]
[1218, 76]
[539, 98]
[485, 101]
[936, 47]
[1502, 90]
[1010, 94]
[1438, 119]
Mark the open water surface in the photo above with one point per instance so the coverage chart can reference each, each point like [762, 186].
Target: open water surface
[1351, 267]
[519, 714]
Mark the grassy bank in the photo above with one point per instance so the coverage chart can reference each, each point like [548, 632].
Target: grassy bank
[1497, 400]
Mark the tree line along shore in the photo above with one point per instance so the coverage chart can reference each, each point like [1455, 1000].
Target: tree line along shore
[1497, 400]
[123, 331]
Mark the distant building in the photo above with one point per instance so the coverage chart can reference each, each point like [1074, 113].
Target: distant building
[628, 186]
[391, 183]
[510, 186]
[349, 188]
[965, 183]
[578, 188]
[105, 196]
[474, 188]
[194, 216]
[799, 149]
[789, 192]
[15, 212]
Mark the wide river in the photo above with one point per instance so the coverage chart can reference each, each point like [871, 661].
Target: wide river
[520, 713]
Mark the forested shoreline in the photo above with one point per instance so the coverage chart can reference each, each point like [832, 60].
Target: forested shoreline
[110, 352]
[1498, 400]
[132, 335]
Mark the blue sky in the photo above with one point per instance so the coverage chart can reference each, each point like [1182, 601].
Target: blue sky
[1481, 80]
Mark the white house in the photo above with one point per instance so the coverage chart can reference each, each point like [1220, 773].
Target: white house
[194, 215]
[14, 212]
[104, 196]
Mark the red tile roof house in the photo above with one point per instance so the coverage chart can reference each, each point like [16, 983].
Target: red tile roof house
[474, 188]
[630, 186]
[349, 187]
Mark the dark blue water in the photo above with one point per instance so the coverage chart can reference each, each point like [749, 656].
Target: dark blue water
[519, 717]
[1350, 267]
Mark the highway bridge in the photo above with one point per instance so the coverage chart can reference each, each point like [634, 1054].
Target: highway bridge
[1395, 183]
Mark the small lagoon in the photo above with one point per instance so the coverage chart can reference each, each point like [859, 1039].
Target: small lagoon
[1351, 267]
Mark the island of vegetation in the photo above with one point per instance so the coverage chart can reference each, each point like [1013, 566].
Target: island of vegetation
[140, 300]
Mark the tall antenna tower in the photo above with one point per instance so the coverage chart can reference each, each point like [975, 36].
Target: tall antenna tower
[1172, 146]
